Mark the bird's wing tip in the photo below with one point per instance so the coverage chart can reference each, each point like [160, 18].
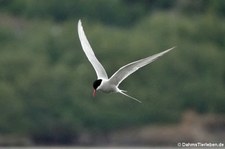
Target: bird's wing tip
[79, 23]
[173, 47]
[170, 49]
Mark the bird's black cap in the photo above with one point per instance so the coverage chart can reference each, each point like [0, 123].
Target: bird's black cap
[97, 83]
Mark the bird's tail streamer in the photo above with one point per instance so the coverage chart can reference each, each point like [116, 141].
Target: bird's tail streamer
[122, 92]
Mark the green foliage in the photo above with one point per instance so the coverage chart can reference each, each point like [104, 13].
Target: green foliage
[45, 79]
[111, 12]
[117, 12]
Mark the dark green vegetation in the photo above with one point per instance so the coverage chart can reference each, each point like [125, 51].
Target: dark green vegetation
[46, 80]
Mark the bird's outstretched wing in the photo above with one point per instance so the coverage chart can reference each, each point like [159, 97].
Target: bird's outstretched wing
[99, 69]
[130, 68]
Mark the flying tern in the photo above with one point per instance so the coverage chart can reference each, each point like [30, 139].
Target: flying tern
[105, 84]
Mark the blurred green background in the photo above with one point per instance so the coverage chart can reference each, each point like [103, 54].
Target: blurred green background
[46, 79]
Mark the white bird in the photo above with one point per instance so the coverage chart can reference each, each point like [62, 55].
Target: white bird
[103, 83]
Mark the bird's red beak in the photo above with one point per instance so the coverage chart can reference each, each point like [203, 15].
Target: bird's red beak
[94, 93]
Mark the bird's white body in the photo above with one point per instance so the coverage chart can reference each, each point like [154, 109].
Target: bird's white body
[103, 83]
[107, 87]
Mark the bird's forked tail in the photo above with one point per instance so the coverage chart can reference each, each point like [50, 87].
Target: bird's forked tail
[122, 92]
